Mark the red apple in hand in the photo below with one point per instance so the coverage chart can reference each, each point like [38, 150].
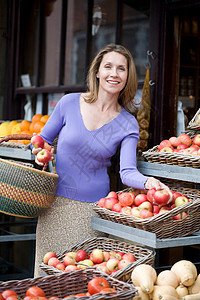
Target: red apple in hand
[150, 194]
[44, 156]
[161, 197]
[37, 141]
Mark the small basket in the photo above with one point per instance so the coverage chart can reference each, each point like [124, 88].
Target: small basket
[25, 191]
[142, 255]
[155, 156]
[71, 283]
[162, 224]
[193, 124]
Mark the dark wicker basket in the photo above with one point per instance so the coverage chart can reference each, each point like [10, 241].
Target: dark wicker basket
[184, 160]
[142, 255]
[71, 283]
[193, 124]
[163, 224]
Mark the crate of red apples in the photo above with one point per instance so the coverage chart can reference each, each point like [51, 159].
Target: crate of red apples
[154, 210]
[183, 151]
[82, 284]
[115, 258]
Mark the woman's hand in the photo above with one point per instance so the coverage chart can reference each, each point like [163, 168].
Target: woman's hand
[35, 152]
[158, 185]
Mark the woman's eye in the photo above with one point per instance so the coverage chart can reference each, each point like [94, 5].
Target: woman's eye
[107, 66]
[122, 68]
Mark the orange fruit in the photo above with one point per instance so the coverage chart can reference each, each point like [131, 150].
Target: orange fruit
[44, 118]
[38, 126]
[36, 118]
[24, 125]
[31, 128]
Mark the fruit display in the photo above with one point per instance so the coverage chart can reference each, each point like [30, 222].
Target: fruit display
[144, 204]
[182, 144]
[106, 261]
[83, 284]
[181, 281]
[23, 127]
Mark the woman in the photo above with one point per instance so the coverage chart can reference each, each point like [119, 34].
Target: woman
[90, 127]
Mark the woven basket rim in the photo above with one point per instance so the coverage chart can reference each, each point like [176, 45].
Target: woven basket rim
[28, 168]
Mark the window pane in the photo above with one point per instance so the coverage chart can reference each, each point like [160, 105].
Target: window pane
[75, 42]
[29, 20]
[52, 42]
[104, 24]
[135, 33]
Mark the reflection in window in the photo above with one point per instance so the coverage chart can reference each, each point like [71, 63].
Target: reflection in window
[135, 33]
[104, 24]
[51, 42]
[75, 42]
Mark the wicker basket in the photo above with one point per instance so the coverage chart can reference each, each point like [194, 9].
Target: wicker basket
[71, 283]
[142, 255]
[163, 224]
[153, 155]
[25, 191]
[193, 124]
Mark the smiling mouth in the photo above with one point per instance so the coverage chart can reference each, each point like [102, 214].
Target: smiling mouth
[113, 82]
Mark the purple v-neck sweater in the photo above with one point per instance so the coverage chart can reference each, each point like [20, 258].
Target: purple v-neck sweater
[83, 156]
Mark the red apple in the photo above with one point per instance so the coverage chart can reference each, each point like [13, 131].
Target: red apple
[83, 264]
[112, 264]
[112, 194]
[81, 255]
[106, 256]
[109, 202]
[117, 207]
[135, 211]
[132, 195]
[167, 149]
[101, 202]
[181, 201]
[163, 144]
[60, 266]
[125, 199]
[135, 192]
[96, 256]
[150, 194]
[72, 254]
[47, 256]
[44, 156]
[126, 210]
[196, 140]
[165, 208]
[180, 216]
[129, 256]
[156, 208]
[175, 195]
[140, 198]
[103, 269]
[146, 205]
[68, 260]
[70, 268]
[161, 197]
[53, 261]
[37, 141]
[185, 139]
[174, 141]
[145, 213]
[176, 150]
[123, 263]
[182, 147]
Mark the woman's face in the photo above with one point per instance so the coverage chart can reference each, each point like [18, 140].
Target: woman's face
[113, 72]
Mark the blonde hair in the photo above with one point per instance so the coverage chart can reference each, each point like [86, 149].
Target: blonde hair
[127, 94]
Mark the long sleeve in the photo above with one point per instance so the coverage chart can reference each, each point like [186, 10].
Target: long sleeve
[129, 173]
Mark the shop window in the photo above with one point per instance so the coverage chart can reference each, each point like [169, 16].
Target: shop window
[75, 53]
[135, 33]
